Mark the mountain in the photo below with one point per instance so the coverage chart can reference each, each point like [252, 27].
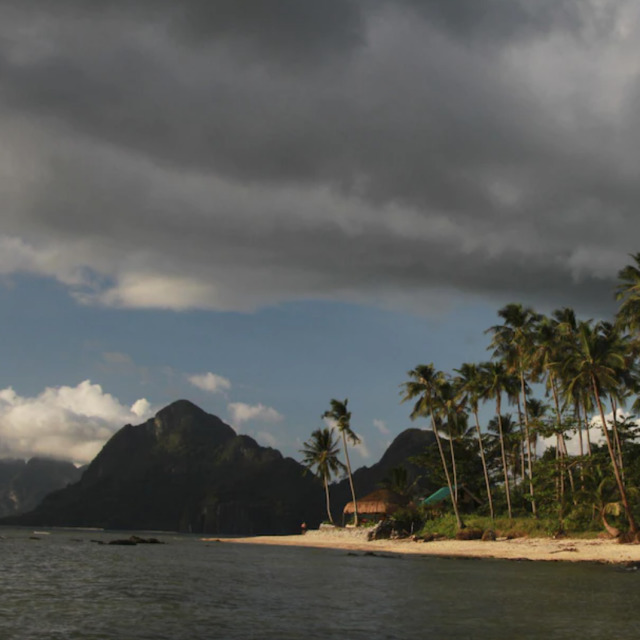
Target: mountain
[185, 470]
[409, 443]
[24, 484]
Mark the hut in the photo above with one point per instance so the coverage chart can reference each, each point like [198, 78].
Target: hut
[376, 506]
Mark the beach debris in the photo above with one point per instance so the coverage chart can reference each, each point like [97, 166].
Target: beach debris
[469, 534]
[134, 540]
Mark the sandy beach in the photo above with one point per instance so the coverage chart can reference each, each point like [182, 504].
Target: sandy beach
[541, 549]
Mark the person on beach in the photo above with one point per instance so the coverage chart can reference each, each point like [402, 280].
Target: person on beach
[303, 528]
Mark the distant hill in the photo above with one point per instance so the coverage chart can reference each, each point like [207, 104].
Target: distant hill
[186, 470]
[24, 484]
[409, 443]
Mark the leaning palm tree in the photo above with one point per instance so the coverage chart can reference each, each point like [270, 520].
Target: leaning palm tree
[469, 381]
[424, 386]
[597, 361]
[321, 455]
[340, 416]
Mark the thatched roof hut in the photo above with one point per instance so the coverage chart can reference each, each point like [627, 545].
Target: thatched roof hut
[381, 502]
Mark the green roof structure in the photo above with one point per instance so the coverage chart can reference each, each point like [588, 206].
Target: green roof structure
[438, 496]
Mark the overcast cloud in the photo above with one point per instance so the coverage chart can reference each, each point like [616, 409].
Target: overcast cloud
[230, 155]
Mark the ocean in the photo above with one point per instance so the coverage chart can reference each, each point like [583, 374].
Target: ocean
[61, 584]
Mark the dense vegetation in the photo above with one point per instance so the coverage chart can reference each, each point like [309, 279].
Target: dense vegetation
[555, 377]
[562, 377]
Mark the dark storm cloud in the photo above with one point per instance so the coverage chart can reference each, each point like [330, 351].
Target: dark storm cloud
[242, 153]
[508, 19]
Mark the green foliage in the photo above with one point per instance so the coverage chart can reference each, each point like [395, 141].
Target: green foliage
[525, 526]
[408, 520]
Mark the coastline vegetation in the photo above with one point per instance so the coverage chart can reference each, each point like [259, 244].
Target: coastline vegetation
[560, 378]
[557, 378]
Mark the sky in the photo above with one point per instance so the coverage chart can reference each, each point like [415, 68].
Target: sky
[260, 206]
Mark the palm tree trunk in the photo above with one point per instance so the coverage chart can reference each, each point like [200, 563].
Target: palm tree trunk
[484, 466]
[504, 458]
[565, 453]
[353, 491]
[616, 436]
[586, 425]
[521, 447]
[446, 472]
[526, 434]
[616, 471]
[326, 491]
[578, 417]
[453, 464]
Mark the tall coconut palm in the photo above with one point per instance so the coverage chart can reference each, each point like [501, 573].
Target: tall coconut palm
[424, 387]
[514, 342]
[340, 416]
[321, 455]
[496, 381]
[597, 360]
[578, 395]
[452, 420]
[511, 437]
[627, 377]
[470, 384]
[628, 294]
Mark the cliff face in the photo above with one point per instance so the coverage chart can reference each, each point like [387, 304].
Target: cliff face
[185, 470]
[24, 484]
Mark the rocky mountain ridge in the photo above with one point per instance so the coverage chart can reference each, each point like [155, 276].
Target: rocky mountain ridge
[186, 470]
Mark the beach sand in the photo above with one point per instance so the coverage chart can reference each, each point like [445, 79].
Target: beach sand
[544, 549]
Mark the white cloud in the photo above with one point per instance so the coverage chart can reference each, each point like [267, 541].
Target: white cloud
[241, 412]
[211, 382]
[596, 436]
[362, 448]
[141, 408]
[71, 423]
[266, 439]
[381, 426]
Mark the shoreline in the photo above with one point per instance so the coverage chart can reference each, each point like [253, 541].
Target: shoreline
[528, 549]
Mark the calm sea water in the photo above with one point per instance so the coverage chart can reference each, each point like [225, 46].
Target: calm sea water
[64, 586]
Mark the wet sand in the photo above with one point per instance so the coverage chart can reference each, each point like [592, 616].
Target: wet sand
[544, 549]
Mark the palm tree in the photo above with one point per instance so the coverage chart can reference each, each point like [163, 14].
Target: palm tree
[514, 342]
[470, 385]
[424, 385]
[597, 361]
[511, 439]
[452, 420]
[628, 294]
[566, 328]
[496, 380]
[321, 454]
[341, 418]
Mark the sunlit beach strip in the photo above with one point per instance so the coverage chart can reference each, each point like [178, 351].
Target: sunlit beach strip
[543, 549]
